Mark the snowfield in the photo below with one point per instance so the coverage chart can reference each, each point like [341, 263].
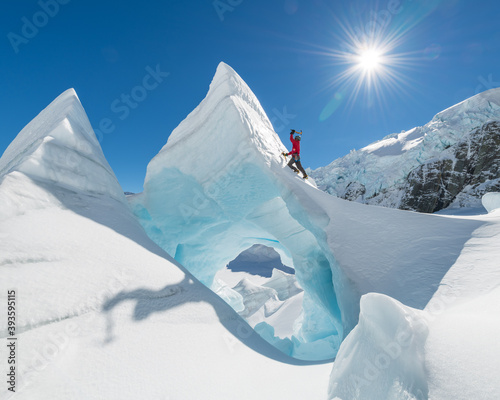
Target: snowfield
[113, 294]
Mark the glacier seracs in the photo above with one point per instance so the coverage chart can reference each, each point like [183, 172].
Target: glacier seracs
[101, 309]
[378, 174]
[59, 146]
[389, 341]
[491, 201]
[215, 190]
[219, 186]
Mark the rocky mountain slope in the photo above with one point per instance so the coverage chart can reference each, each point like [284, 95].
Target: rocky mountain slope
[450, 162]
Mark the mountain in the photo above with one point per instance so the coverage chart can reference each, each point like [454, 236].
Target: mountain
[450, 162]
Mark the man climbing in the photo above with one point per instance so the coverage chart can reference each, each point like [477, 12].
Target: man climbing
[295, 153]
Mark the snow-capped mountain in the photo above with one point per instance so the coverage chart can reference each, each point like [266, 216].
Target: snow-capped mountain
[450, 162]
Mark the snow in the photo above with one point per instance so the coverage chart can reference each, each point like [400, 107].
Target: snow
[408, 303]
[261, 293]
[462, 351]
[254, 199]
[59, 146]
[285, 284]
[460, 354]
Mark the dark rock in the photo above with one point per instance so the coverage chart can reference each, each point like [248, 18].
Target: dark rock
[470, 167]
[353, 191]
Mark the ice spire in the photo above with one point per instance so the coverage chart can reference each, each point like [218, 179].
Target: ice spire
[228, 122]
[59, 146]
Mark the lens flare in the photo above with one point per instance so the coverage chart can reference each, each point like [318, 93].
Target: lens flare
[368, 60]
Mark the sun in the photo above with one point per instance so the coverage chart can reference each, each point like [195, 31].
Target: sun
[368, 63]
[370, 60]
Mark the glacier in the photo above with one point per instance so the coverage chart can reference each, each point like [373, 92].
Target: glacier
[407, 303]
[219, 186]
[389, 340]
[214, 190]
[59, 146]
[491, 201]
[102, 311]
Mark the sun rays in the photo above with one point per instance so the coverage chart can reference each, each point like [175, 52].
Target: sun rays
[374, 65]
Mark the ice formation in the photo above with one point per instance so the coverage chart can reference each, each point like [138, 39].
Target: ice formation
[216, 189]
[220, 186]
[59, 146]
[491, 201]
[103, 308]
[100, 308]
[383, 357]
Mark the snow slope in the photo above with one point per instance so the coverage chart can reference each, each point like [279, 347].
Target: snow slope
[462, 351]
[103, 312]
[447, 351]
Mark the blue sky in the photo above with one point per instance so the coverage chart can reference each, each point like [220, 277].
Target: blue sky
[293, 54]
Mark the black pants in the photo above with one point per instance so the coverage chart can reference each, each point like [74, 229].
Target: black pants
[298, 164]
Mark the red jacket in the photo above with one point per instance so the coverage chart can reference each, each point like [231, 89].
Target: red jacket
[296, 145]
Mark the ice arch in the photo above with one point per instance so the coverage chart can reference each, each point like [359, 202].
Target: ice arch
[219, 186]
[230, 220]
